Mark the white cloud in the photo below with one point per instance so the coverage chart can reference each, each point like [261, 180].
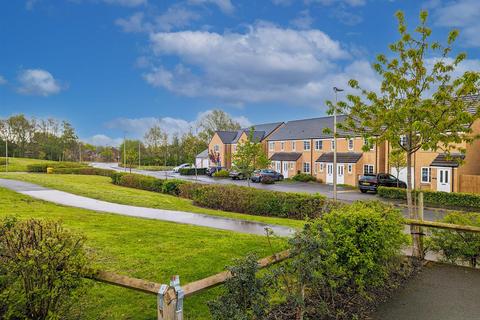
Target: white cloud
[282, 2]
[103, 140]
[225, 6]
[463, 14]
[127, 3]
[2, 80]
[37, 82]
[266, 63]
[134, 23]
[303, 20]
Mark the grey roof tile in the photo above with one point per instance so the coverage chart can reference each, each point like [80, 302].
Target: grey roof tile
[443, 160]
[342, 157]
[285, 156]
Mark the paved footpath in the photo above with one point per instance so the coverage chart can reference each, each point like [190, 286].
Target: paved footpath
[68, 199]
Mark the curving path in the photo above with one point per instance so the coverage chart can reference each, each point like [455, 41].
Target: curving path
[72, 200]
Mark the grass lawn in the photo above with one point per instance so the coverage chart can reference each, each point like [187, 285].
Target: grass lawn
[101, 188]
[148, 249]
[20, 164]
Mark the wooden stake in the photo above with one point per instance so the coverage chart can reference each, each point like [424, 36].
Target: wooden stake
[420, 229]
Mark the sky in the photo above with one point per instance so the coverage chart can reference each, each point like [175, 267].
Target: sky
[115, 67]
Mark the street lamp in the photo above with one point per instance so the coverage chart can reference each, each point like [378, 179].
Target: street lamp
[124, 151]
[335, 169]
[7, 133]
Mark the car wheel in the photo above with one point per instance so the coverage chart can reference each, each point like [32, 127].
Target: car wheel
[280, 178]
[363, 191]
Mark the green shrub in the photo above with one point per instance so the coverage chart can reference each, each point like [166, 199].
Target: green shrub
[303, 177]
[191, 171]
[42, 167]
[221, 174]
[116, 177]
[138, 181]
[261, 202]
[42, 266]
[439, 198]
[85, 171]
[3, 161]
[188, 190]
[172, 186]
[457, 246]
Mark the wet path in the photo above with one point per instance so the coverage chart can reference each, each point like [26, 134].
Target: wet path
[68, 199]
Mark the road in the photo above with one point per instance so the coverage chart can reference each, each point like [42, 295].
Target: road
[344, 194]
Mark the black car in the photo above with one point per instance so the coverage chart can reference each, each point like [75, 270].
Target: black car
[258, 175]
[370, 182]
[235, 175]
[210, 171]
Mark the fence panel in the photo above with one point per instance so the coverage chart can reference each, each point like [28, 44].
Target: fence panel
[469, 183]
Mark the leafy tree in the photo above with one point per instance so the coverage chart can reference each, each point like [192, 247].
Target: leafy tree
[397, 160]
[191, 146]
[249, 157]
[69, 141]
[419, 98]
[216, 120]
[156, 139]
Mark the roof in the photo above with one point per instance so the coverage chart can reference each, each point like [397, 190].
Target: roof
[472, 98]
[227, 136]
[307, 129]
[260, 131]
[443, 160]
[286, 156]
[342, 157]
[203, 154]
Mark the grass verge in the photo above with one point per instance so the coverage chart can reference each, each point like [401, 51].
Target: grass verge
[20, 164]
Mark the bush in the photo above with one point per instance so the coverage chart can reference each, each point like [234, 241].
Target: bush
[261, 202]
[221, 174]
[42, 266]
[3, 161]
[191, 171]
[458, 246]
[84, 171]
[303, 177]
[138, 181]
[172, 186]
[439, 198]
[116, 177]
[267, 180]
[188, 190]
[42, 167]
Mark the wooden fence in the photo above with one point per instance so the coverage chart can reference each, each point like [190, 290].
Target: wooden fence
[469, 183]
[170, 297]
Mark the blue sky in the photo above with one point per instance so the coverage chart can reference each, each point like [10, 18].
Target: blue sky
[110, 66]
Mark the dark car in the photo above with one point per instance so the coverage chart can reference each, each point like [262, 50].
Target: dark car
[235, 175]
[370, 182]
[260, 174]
[210, 171]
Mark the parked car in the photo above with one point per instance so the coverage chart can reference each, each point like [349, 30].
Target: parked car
[370, 182]
[235, 175]
[259, 174]
[210, 171]
[183, 165]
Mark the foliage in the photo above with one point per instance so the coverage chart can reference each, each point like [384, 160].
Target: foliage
[156, 140]
[303, 177]
[221, 174]
[245, 295]
[438, 198]
[261, 202]
[458, 246]
[42, 266]
[42, 167]
[85, 171]
[172, 186]
[216, 120]
[137, 181]
[398, 161]
[192, 171]
[418, 99]
[191, 146]
[249, 157]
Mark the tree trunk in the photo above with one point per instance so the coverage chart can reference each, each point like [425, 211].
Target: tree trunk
[412, 213]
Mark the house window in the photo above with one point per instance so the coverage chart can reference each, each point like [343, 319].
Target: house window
[426, 175]
[315, 168]
[293, 146]
[368, 168]
[350, 168]
[306, 145]
[271, 146]
[318, 144]
[290, 165]
[321, 167]
[403, 140]
[350, 144]
[306, 167]
[216, 148]
[333, 144]
[282, 145]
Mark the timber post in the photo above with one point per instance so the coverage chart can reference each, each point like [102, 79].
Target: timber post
[170, 300]
[421, 249]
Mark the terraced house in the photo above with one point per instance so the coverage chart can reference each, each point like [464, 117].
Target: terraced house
[223, 144]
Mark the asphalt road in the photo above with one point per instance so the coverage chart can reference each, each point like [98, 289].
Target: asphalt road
[343, 194]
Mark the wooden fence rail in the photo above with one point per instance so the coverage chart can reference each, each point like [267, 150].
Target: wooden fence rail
[170, 298]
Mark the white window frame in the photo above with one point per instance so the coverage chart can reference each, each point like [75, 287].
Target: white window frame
[282, 145]
[321, 166]
[271, 146]
[294, 145]
[305, 165]
[318, 144]
[369, 166]
[332, 144]
[403, 140]
[305, 142]
[350, 168]
[350, 147]
[315, 168]
[429, 175]
[216, 148]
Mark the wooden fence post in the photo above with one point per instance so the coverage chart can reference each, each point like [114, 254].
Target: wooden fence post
[419, 229]
[167, 303]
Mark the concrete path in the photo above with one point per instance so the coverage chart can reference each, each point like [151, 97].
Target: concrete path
[68, 199]
[438, 292]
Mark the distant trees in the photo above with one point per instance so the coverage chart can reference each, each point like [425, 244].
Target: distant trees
[216, 120]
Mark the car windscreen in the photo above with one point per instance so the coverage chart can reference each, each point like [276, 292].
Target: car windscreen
[368, 178]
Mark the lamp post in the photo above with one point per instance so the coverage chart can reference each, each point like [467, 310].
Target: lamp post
[6, 147]
[124, 151]
[335, 169]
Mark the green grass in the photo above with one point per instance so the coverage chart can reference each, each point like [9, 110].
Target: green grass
[149, 249]
[20, 164]
[101, 188]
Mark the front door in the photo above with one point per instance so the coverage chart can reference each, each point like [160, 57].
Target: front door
[285, 169]
[340, 173]
[329, 173]
[444, 179]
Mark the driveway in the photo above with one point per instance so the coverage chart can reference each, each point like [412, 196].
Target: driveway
[343, 194]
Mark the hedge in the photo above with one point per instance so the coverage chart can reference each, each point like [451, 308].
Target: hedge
[142, 182]
[85, 171]
[303, 177]
[258, 202]
[454, 199]
[42, 167]
[191, 171]
[221, 174]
